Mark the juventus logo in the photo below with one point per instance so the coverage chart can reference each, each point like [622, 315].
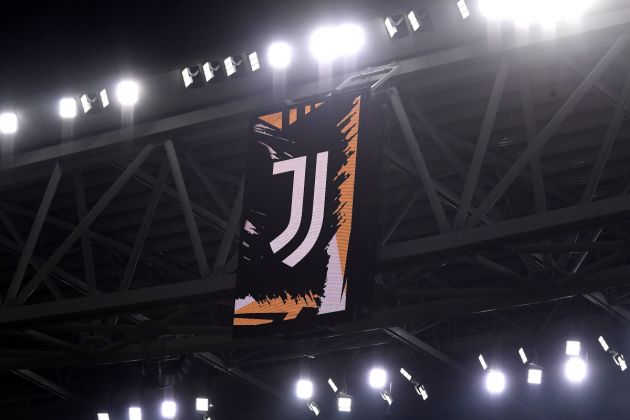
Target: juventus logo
[298, 167]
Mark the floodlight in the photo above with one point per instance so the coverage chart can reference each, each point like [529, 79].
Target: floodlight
[484, 365]
[377, 378]
[211, 71]
[67, 108]
[572, 348]
[387, 396]
[168, 409]
[521, 353]
[495, 381]
[304, 389]
[603, 343]
[421, 391]
[313, 407]
[620, 361]
[414, 21]
[94, 102]
[534, 374]
[350, 38]
[254, 64]
[575, 369]
[463, 9]
[279, 55]
[127, 92]
[233, 65]
[8, 123]
[406, 374]
[396, 26]
[102, 416]
[344, 402]
[323, 44]
[135, 413]
[194, 76]
[534, 11]
[332, 385]
[202, 404]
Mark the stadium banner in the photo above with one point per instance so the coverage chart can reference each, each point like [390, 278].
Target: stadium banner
[307, 243]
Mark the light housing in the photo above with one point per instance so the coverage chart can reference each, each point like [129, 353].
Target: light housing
[94, 102]
[463, 9]
[527, 12]
[521, 353]
[421, 390]
[168, 409]
[620, 361]
[377, 378]
[575, 369]
[573, 348]
[67, 108]
[495, 381]
[193, 76]
[212, 71]
[233, 65]
[127, 92]
[102, 416]
[304, 389]
[482, 362]
[534, 374]
[406, 374]
[8, 123]
[313, 407]
[332, 384]
[329, 43]
[254, 63]
[344, 402]
[603, 343]
[135, 413]
[279, 55]
[396, 26]
[387, 396]
[202, 404]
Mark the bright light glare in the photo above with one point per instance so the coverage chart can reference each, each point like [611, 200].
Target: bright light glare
[575, 369]
[279, 55]
[67, 108]
[328, 43]
[377, 378]
[495, 381]
[201, 404]
[534, 11]
[102, 416]
[534, 375]
[463, 9]
[572, 348]
[127, 92]
[169, 409]
[603, 343]
[344, 403]
[135, 413]
[8, 123]
[304, 389]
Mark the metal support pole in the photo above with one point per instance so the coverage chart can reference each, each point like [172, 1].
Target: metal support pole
[231, 231]
[191, 224]
[210, 185]
[86, 244]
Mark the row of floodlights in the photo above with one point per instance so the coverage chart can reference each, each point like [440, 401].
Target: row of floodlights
[127, 94]
[326, 44]
[377, 378]
[575, 367]
[168, 410]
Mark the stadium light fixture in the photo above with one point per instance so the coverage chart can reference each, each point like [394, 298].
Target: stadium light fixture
[332, 384]
[616, 356]
[102, 416]
[386, 394]
[168, 409]
[483, 363]
[202, 404]
[396, 26]
[135, 413]
[328, 43]
[233, 65]
[414, 21]
[212, 71]
[8, 123]
[575, 369]
[67, 108]
[521, 353]
[127, 92]
[495, 381]
[572, 348]
[304, 389]
[313, 407]
[405, 374]
[377, 378]
[94, 102]
[254, 63]
[603, 343]
[344, 402]
[463, 9]
[194, 76]
[421, 390]
[279, 55]
[534, 374]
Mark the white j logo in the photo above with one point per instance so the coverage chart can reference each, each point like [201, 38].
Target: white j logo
[298, 167]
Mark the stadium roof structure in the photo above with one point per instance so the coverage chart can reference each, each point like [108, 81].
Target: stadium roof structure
[503, 223]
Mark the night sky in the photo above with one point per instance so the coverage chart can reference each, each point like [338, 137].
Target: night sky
[47, 46]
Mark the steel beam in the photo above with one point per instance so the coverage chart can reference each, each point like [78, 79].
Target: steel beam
[418, 159]
[82, 227]
[53, 387]
[86, 244]
[33, 236]
[191, 224]
[545, 134]
[498, 234]
[210, 185]
[482, 144]
[231, 232]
